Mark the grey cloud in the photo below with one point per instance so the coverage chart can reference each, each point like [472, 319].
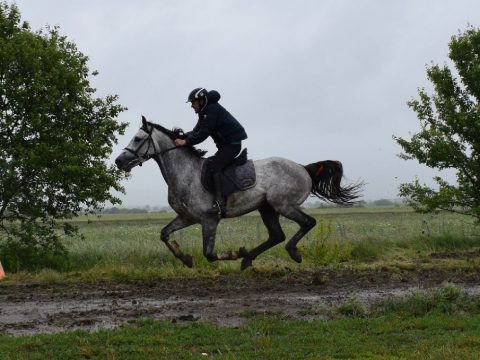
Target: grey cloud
[309, 80]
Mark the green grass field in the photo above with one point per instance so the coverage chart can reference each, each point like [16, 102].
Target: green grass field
[390, 337]
[129, 247]
[121, 245]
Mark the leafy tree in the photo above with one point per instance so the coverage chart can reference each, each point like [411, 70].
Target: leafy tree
[55, 136]
[450, 131]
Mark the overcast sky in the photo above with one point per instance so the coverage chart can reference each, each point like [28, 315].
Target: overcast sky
[309, 80]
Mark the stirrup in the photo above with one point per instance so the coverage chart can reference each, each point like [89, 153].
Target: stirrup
[216, 209]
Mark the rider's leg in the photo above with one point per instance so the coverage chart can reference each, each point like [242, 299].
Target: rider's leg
[223, 157]
[219, 198]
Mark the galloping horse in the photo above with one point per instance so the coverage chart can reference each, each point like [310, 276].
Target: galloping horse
[281, 187]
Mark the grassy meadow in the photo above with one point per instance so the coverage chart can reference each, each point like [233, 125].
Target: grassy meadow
[435, 324]
[128, 246]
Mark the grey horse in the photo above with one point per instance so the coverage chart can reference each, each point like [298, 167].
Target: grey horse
[281, 188]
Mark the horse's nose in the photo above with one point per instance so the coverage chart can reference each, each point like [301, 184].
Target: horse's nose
[118, 162]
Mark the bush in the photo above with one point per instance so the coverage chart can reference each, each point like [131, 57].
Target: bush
[31, 246]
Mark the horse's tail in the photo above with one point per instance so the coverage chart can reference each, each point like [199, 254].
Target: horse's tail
[326, 176]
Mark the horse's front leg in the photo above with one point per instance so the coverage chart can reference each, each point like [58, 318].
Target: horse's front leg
[209, 231]
[176, 224]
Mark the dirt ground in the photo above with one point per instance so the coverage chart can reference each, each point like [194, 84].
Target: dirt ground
[30, 308]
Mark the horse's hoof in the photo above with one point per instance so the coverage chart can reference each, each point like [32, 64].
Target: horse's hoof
[242, 252]
[187, 260]
[211, 257]
[294, 254]
[246, 263]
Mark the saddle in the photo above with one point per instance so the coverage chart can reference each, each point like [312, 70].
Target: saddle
[238, 176]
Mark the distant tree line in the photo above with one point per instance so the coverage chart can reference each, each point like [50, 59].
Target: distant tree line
[359, 204]
[135, 210]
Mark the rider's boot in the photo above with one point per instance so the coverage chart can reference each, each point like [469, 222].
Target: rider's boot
[218, 207]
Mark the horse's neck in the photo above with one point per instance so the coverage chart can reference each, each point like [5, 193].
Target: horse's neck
[179, 167]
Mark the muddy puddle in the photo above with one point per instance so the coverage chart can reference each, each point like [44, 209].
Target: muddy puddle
[29, 308]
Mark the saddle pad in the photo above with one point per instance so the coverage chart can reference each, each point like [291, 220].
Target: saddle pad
[234, 178]
[242, 176]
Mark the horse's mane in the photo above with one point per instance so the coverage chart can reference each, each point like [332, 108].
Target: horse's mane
[178, 133]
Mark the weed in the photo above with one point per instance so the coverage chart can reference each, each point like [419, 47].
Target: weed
[352, 307]
[328, 247]
[368, 250]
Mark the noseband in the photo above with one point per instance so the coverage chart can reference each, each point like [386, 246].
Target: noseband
[146, 156]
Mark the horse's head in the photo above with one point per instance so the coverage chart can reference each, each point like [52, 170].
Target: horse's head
[144, 146]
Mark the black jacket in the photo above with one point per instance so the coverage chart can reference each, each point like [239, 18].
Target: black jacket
[215, 121]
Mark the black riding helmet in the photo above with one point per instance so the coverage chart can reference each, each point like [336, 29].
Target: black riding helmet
[197, 94]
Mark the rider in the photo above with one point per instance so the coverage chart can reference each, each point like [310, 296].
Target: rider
[227, 133]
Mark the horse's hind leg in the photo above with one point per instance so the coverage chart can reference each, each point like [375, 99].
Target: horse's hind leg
[306, 223]
[176, 224]
[209, 230]
[275, 234]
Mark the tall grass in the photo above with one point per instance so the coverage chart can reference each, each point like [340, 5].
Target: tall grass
[130, 245]
[383, 236]
[447, 299]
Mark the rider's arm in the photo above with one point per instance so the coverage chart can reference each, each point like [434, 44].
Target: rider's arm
[202, 130]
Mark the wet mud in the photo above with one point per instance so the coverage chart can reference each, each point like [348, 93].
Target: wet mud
[227, 300]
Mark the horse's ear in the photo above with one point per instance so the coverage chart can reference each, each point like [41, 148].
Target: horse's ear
[144, 121]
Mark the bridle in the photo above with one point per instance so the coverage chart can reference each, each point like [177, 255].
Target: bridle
[146, 156]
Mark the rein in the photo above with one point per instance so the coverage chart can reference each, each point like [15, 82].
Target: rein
[167, 150]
